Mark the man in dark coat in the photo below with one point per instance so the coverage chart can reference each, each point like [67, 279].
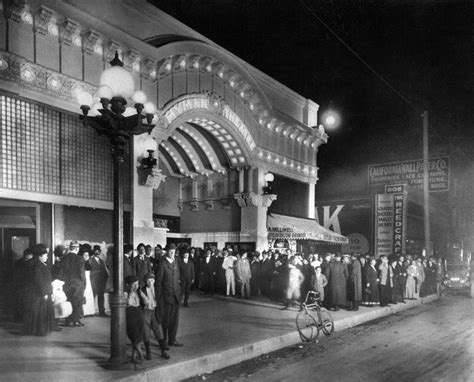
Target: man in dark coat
[208, 272]
[265, 273]
[99, 276]
[256, 280]
[337, 281]
[127, 261]
[400, 273]
[74, 277]
[21, 277]
[326, 271]
[141, 265]
[187, 276]
[355, 280]
[168, 290]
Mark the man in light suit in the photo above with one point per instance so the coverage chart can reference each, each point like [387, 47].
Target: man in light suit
[168, 290]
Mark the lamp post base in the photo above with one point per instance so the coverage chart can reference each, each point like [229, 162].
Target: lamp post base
[118, 349]
[118, 363]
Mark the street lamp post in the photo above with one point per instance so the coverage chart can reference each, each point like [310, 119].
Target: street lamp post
[119, 124]
[426, 184]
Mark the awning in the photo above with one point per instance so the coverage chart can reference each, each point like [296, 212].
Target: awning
[291, 228]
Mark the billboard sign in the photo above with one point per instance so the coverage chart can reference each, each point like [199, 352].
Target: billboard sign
[409, 173]
[384, 224]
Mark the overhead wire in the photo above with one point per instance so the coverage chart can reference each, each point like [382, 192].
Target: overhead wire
[366, 64]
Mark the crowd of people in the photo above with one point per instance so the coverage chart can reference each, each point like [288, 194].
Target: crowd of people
[159, 280]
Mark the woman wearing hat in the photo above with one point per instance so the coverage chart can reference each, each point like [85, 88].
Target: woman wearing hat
[40, 318]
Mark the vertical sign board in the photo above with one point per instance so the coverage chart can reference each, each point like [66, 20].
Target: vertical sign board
[399, 217]
[384, 224]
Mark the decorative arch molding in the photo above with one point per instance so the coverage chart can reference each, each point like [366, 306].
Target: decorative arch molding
[215, 116]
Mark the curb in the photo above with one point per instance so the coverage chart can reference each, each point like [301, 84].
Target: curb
[215, 361]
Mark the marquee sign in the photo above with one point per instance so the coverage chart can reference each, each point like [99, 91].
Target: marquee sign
[203, 102]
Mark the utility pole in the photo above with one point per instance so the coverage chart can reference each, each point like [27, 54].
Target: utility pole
[426, 190]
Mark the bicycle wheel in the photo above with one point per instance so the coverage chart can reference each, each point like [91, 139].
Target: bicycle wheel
[307, 326]
[327, 324]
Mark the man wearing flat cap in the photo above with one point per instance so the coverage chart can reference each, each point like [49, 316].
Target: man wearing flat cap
[168, 290]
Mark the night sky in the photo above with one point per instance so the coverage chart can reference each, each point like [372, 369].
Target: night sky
[423, 49]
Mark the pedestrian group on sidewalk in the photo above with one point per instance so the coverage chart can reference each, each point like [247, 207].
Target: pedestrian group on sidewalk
[157, 281]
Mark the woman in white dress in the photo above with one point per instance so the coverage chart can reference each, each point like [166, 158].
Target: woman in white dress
[89, 305]
[411, 282]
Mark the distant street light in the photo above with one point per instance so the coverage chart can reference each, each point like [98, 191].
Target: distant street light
[331, 119]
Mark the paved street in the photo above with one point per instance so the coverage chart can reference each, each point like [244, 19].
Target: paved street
[216, 332]
[431, 342]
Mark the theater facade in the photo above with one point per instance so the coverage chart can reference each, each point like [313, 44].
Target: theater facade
[221, 127]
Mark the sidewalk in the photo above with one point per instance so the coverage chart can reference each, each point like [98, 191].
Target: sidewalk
[216, 332]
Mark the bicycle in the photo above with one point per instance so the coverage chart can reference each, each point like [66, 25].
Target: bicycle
[308, 326]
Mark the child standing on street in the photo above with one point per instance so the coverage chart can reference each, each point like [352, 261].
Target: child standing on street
[150, 321]
[134, 316]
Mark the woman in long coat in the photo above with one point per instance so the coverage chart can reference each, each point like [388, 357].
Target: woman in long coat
[355, 279]
[318, 282]
[420, 278]
[337, 283]
[40, 318]
[372, 283]
[410, 286]
[363, 266]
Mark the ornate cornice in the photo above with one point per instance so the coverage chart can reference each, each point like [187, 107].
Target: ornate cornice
[35, 77]
[68, 29]
[242, 88]
[42, 20]
[251, 199]
[89, 41]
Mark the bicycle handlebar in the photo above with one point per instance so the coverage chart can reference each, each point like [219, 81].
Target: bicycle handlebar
[312, 293]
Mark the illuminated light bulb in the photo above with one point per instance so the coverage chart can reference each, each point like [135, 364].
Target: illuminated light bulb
[76, 40]
[98, 49]
[149, 108]
[95, 109]
[231, 83]
[139, 97]
[129, 111]
[105, 92]
[196, 65]
[119, 80]
[136, 66]
[208, 68]
[28, 75]
[84, 98]
[221, 74]
[168, 67]
[27, 17]
[53, 29]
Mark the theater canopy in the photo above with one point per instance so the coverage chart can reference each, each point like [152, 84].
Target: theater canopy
[291, 228]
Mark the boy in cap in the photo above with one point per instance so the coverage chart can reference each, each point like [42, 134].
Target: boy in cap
[149, 318]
